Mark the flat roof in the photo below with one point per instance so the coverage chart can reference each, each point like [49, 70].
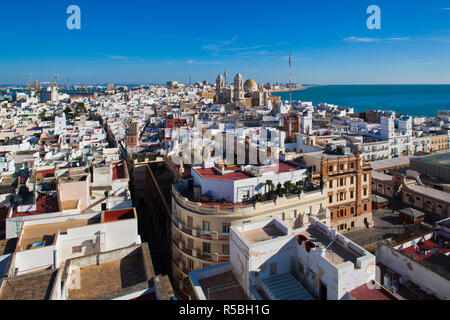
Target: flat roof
[36, 286]
[431, 192]
[335, 253]
[109, 277]
[265, 233]
[390, 163]
[381, 176]
[48, 231]
[364, 292]
[222, 286]
[210, 173]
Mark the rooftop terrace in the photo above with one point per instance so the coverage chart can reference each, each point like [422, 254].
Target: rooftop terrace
[265, 233]
[36, 286]
[336, 252]
[109, 277]
[223, 286]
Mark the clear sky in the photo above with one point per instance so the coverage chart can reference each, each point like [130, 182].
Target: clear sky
[148, 41]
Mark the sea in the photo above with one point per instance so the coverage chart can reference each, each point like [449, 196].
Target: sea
[415, 100]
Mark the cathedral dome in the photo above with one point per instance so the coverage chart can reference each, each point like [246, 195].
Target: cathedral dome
[250, 85]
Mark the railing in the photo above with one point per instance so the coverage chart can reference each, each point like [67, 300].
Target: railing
[211, 208]
[207, 256]
[208, 235]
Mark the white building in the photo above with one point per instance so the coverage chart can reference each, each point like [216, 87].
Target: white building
[271, 261]
[245, 183]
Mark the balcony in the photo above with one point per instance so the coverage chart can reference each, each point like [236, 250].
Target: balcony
[246, 209]
[201, 234]
[196, 253]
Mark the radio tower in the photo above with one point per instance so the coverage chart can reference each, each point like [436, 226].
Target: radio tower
[290, 80]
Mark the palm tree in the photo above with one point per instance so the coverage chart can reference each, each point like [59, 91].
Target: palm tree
[288, 186]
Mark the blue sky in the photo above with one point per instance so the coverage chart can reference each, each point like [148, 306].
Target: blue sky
[147, 41]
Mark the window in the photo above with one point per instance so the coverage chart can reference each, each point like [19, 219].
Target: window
[342, 213]
[273, 269]
[77, 249]
[365, 207]
[190, 264]
[351, 194]
[365, 191]
[293, 214]
[226, 227]
[206, 247]
[351, 180]
[330, 184]
[281, 216]
[341, 167]
[365, 178]
[330, 168]
[353, 223]
[190, 243]
[205, 225]
[103, 206]
[330, 199]
[226, 249]
[352, 165]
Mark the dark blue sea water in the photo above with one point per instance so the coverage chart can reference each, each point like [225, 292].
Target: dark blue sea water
[408, 99]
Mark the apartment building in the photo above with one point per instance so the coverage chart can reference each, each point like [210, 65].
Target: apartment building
[271, 261]
[347, 181]
[417, 268]
[204, 209]
[439, 142]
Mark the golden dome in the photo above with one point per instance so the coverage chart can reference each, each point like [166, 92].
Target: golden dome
[250, 82]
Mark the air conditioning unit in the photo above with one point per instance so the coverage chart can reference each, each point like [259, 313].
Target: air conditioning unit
[180, 225]
[215, 235]
[194, 252]
[215, 256]
[180, 244]
[194, 232]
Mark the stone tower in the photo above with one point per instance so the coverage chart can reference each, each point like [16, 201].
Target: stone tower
[238, 95]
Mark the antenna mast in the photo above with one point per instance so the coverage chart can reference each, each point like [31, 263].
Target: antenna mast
[290, 80]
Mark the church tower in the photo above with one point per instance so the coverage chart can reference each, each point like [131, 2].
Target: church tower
[238, 90]
[220, 85]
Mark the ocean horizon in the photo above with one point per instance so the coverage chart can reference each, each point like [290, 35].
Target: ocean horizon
[411, 99]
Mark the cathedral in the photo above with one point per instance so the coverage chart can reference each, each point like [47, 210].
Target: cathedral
[248, 94]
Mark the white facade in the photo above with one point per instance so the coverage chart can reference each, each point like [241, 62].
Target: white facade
[253, 262]
[239, 190]
[90, 238]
